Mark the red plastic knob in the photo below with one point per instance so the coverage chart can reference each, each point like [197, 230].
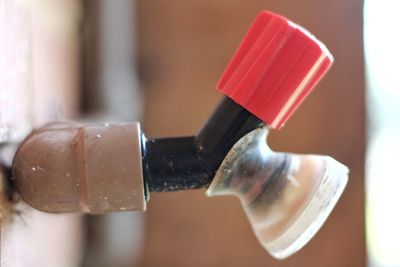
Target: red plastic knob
[275, 67]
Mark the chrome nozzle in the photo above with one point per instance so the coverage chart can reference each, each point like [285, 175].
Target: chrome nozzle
[287, 197]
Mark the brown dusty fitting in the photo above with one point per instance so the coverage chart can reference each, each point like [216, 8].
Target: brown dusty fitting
[65, 167]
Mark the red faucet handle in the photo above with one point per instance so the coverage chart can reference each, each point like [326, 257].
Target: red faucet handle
[275, 67]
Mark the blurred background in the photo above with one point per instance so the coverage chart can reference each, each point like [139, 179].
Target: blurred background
[158, 62]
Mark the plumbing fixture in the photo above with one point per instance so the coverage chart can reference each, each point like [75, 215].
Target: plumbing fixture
[67, 167]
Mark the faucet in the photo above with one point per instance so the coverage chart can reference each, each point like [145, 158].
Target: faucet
[100, 168]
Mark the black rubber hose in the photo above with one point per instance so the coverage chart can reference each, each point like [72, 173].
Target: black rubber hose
[191, 162]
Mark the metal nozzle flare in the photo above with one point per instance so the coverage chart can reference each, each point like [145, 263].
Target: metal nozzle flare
[287, 197]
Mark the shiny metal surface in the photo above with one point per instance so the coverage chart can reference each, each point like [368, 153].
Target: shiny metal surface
[287, 197]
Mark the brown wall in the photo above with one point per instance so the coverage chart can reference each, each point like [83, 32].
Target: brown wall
[183, 48]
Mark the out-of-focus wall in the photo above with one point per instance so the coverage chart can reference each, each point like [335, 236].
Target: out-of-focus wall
[183, 48]
[39, 71]
[110, 94]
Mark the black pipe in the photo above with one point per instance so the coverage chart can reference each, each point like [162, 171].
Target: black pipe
[191, 162]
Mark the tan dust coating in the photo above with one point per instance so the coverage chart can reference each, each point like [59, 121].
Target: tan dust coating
[65, 167]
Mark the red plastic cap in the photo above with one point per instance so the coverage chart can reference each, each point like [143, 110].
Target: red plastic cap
[274, 69]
